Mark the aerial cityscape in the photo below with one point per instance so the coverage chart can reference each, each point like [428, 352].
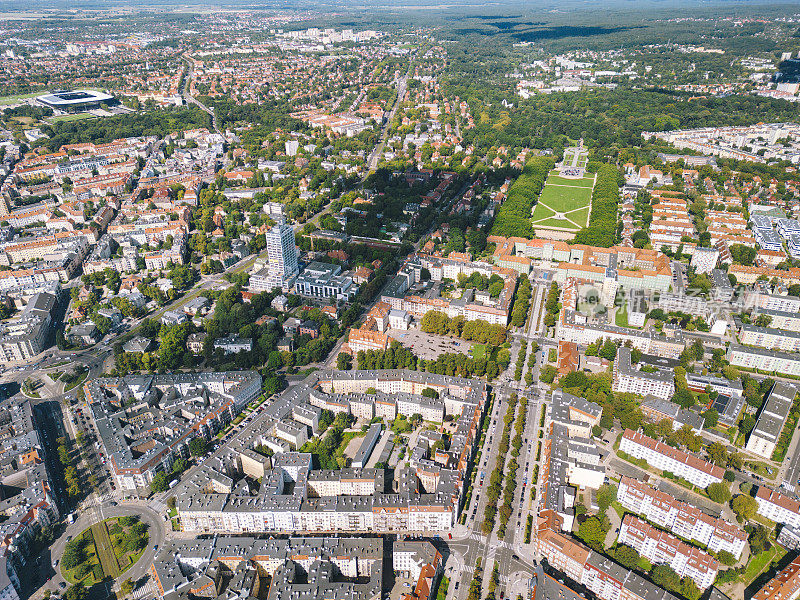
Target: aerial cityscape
[321, 301]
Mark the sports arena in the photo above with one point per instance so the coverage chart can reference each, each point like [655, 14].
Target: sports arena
[76, 100]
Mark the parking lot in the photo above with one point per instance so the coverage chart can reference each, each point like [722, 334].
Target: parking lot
[429, 346]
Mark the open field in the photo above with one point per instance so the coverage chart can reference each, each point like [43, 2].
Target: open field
[75, 117]
[564, 203]
[564, 198]
[5, 100]
[541, 212]
[555, 179]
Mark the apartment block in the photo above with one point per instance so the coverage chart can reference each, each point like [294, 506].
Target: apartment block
[408, 292]
[602, 576]
[704, 260]
[145, 422]
[774, 339]
[660, 547]
[778, 507]
[683, 519]
[296, 567]
[628, 379]
[782, 320]
[424, 496]
[688, 466]
[784, 586]
[764, 360]
[766, 433]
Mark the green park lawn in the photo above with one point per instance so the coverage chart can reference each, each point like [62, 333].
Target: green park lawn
[478, 351]
[580, 216]
[542, 212]
[760, 562]
[583, 182]
[564, 199]
[4, 100]
[67, 118]
[561, 223]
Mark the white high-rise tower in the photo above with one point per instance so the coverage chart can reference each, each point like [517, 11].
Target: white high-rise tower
[282, 256]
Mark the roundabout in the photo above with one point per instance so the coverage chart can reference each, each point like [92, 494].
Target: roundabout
[60, 578]
[108, 548]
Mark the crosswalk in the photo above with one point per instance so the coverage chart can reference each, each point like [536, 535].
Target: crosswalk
[148, 590]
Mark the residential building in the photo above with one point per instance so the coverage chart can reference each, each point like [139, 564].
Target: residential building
[784, 586]
[322, 280]
[628, 379]
[603, 577]
[778, 507]
[145, 422]
[704, 260]
[688, 466]
[295, 567]
[660, 547]
[296, 497]
[764, 360]
[683, 519]
[25, 336]
[769, 426]
[408, 292]
[774, 339]
[570, 457]
[233, 344]
[282, 256]
[657, 409]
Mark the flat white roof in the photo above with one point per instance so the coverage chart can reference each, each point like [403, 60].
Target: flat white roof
[72, 97]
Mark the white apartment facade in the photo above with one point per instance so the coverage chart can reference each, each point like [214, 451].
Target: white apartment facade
[660, 547]
[688, 466]
[681, 518]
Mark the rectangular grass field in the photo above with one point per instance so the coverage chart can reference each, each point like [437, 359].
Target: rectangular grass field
[564, 199]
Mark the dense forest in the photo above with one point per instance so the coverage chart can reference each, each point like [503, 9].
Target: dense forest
[605, 199]
[514, 215]
[158, 123]
[605, 119]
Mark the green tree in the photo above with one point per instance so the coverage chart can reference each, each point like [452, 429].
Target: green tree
[626, 556]
[198, 446]
[719, 492]
[746, 424]
[593, 532]
[663, 576]
[759, 539]
[126, 587]
[606, 495]
[344, 362]
[160, 482]
[717, 454]
[711, 417]
[689, 589]
[745, 507]
[726, 558]
[76, 592]
[74, 553]
[548, 374]
[608, 350]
